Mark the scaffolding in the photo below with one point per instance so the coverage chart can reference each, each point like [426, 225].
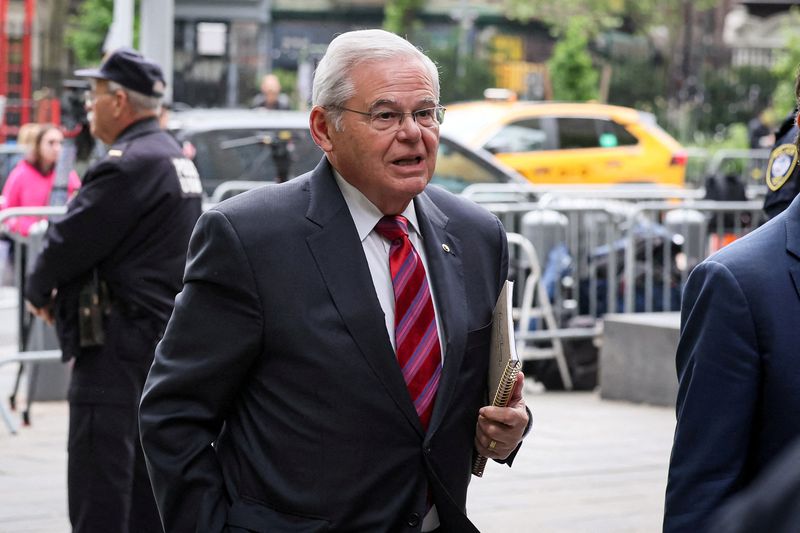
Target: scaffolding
[15, 69]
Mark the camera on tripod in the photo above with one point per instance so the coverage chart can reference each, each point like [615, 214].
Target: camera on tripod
[74, 118]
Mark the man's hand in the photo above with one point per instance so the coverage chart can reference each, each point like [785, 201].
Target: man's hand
[45, 312]
[502, 426]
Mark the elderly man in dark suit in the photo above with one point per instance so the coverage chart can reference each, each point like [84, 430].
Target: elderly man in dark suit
[739, 372]
[325, 367]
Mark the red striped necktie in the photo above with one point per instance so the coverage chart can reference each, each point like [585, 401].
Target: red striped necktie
[416, 335]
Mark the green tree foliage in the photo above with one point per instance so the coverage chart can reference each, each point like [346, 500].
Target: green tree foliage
[598, 14]
[572, 74]
[734, 95]
[288, 80]
[477, 73]
[627, 88]
[87, 30]
[400, 16]
[603, 15]
[786, 68]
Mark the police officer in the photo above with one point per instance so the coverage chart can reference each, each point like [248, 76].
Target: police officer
[783, 181]
[108, 274]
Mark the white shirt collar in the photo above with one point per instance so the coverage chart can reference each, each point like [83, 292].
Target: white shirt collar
[365, 214]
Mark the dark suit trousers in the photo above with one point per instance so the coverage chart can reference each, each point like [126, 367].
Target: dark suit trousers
[109, 489]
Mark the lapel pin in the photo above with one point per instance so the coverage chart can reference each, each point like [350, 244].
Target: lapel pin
[446, 248]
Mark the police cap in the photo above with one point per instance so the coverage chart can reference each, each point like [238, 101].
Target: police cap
[130, 69]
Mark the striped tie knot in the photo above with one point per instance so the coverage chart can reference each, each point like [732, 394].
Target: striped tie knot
[392, 227]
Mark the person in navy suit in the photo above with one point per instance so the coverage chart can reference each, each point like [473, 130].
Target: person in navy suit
[737, 359]
[276, 401]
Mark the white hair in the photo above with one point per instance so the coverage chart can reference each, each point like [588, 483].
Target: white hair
[333, 84]
[139, 102]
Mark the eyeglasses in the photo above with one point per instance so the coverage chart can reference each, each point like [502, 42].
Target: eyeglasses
[91, 97]
[386, 120]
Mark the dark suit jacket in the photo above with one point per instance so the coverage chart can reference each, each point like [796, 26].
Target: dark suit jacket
[278, 335]
[771, 504]
[738, 365]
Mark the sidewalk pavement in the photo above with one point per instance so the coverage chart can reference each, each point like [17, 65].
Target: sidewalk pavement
[589, 465]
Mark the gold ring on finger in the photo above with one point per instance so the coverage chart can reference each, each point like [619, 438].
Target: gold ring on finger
[492, 445]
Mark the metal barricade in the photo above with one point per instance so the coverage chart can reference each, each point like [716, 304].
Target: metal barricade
[37, 345]
[577, 242]
[751, 164]
[514, 192]
[622, 256]
[534, 304]
[703, 227]
[24, 358]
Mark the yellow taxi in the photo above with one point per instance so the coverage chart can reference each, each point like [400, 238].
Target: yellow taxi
[570, 143]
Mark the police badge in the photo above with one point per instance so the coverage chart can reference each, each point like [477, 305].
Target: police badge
[781, 165]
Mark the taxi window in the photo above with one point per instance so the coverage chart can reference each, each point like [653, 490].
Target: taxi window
[622, 136]
[521, 136]
[577, 133]
[592, 133]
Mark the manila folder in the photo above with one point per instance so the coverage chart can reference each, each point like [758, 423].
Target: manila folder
[503, 348]
[503, 361]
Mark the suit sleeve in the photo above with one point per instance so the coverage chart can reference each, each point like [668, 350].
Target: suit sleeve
[209, 345]
[68, 253]
[718, 372]
[503, 255]
[771, 503]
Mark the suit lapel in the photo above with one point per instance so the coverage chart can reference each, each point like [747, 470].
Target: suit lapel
[340, 258]
[447, 280]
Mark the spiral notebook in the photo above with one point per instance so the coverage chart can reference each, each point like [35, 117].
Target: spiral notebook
[504, 364]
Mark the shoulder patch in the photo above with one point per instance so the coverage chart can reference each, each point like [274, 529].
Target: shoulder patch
[781, 164]
[188, 177]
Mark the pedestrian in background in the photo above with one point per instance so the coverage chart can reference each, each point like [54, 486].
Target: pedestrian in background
[270, 95]
[29, 184]
[108, 273]
[26, 137]
[325, 367]
[759, 130]
[739, 386]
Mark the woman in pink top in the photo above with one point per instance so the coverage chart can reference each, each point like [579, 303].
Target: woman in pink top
[30, 182]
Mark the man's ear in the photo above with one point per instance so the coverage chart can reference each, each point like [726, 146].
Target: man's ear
[320, 128]
[121, 102]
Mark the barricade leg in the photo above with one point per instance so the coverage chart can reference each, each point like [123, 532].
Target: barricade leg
[10, 424]
[12, 400]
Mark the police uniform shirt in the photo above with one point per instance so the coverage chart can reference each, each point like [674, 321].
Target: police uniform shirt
[783, 182]
[131, 220]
